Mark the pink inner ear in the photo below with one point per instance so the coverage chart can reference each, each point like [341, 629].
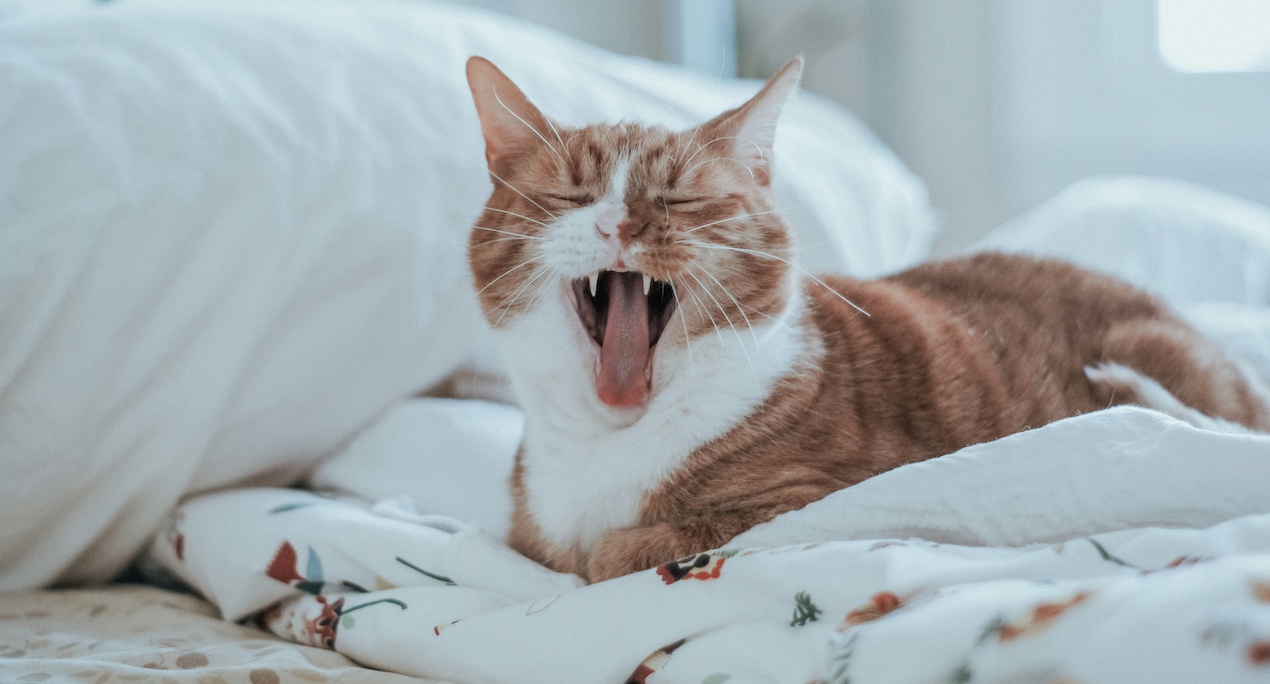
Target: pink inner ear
[753, 125]
[510, 123]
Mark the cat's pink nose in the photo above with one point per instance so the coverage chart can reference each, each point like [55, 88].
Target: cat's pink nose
[609, 220]
[629, 229]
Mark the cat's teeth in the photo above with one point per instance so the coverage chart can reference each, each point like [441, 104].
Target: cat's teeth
[648, 283]
[595, 280]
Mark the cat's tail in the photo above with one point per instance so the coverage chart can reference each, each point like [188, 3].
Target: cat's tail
[1127, 386]
[1170, 367]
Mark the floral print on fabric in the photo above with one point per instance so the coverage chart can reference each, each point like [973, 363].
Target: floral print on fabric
[701, 566]
[444, 602]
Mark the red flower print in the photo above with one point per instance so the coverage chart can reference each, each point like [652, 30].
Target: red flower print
[653, 663]
[1259, 653]
[283, 567]
[703, 566]
[1261, 590]
[1042, 617]
[879, 604]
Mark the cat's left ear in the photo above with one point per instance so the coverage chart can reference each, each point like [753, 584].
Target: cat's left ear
[751, 128]
[511, 124]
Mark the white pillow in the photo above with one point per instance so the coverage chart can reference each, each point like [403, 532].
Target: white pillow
[1183, 242]
[449, 457]
[230, 239]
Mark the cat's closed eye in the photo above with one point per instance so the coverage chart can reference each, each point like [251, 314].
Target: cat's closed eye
[682, 202]
[578, 200]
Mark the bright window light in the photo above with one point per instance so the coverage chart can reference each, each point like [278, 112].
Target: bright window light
[1207, 36]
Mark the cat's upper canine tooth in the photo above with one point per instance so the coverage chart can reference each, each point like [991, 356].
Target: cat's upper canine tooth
[595, 279]
[648, 283]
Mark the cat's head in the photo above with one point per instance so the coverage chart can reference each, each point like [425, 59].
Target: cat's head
[649, 240]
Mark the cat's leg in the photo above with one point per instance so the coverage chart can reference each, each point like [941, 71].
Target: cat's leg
[632, 549]
[1166, 365]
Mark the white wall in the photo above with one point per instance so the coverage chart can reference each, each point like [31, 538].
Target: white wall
[915, 70]
[1080, 88]
[699, 34]
[632, 27]
[1000, 104]
[997, 104]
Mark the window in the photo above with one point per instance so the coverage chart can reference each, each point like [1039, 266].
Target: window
[1214, 36]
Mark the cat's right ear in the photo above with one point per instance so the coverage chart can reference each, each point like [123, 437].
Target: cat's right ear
[511, 124]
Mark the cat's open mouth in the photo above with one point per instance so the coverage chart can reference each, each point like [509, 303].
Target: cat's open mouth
[625, 314]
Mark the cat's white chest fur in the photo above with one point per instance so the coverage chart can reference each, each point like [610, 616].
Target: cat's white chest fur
[587, 468]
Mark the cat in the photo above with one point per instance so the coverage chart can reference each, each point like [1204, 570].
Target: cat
[683, 381]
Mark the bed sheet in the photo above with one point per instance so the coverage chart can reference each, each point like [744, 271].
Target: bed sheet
[1030, 558]
[136, 634]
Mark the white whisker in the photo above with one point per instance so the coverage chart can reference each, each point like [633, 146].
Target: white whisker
[493, 241]
[690, 158]
[513, 268]
[674, 291]
[522, 216]
[728, 318]
[703, 146]
[508, 232]
[695, 131]
[518, 192]
[738, 217]
[535, 130]
[772, 318]
[721, 159]
[766, 255]
[756, 146]
[739, 308]
[571, 162]
[696, 301]
[516, 296]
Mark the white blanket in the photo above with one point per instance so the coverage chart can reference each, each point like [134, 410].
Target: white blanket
[1111, 547]
[795, 600]
[229, 239]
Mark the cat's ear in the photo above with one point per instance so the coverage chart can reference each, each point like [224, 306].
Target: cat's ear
[511, 124]
[751, 128]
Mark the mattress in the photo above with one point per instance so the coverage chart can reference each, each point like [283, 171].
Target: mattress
[135, 633]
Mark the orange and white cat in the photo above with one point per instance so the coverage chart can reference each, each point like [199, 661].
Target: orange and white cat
[682, 381]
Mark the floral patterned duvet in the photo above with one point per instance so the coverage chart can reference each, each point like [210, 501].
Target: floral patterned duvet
[1177, 598]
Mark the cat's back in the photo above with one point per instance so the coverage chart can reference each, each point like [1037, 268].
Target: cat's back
[1035, 287]
[974, 347]
[1005, 300]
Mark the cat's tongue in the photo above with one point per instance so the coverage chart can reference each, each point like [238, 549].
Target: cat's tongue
[624, 355]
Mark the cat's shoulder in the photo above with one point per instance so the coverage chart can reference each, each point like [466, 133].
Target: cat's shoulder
[1006, 275]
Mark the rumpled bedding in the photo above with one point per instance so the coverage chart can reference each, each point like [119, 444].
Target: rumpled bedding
[1117, 546]
[232, 234]
[1114, 547]
[912, 576]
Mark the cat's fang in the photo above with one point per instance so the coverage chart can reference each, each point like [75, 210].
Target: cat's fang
[648, 282]
[595, 280]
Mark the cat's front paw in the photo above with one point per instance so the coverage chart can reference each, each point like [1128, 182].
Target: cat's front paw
[622, 552]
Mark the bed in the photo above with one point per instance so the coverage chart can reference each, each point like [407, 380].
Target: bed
[203, 211]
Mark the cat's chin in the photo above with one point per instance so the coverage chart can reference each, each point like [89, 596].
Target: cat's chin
[623, 314]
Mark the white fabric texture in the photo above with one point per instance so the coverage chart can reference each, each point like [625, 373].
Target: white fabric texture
[1116, 469]
[1181, 241]
[229, 239]
[449, 457]
[1147, 603]
[945, 549]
